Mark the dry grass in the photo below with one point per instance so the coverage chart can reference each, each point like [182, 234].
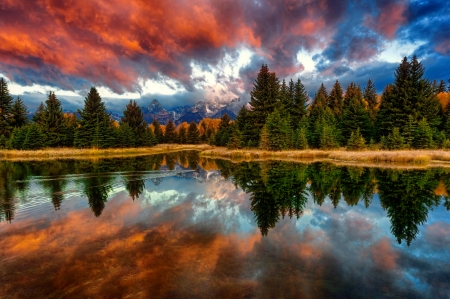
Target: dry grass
[416, 157]
[72, 153]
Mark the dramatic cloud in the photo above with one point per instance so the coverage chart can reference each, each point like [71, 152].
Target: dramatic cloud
[184, 51]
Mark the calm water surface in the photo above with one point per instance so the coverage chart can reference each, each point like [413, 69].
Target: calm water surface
[180, 226]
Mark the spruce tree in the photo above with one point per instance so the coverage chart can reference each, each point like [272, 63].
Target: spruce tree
[336, 99]
[170, 135]
[356, 141]
[52, 123]
[126, 136]
[158, 131]
[6, 104]
[442, 86]
[34, 138]
[182, 135]
[370, 95]
[38, 116]
[193, 134]
[409, 131]
[280, 134]
[95, 128]
[423, 137]
[264, 98]
[223, 132]
[235, 140]
[394, 141]
[18, 137]
[355, 116]
[19, 114]
[301, 139]
[299, 103]
[134, 118]
[244, 124]
[149, 138]
[264, 140]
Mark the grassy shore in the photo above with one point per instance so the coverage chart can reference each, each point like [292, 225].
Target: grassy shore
[377, 157]
[415, 157]
[73, 153]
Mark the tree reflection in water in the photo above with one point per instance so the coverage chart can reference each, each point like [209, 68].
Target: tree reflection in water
[276, 189]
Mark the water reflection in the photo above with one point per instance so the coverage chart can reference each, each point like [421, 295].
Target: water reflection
[153, 227]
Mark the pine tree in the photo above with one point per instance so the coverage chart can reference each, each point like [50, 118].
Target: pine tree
[336, 99]
[370, 95]
[442, 87]
[301, 140]
[134, 118]
[170, 135]
[39, 114]
[244, 124]
[52, 121]
[423, 137]
[264, 140]
[394, 141]
[299, 103]
[126, 136]
[18, 137]
[182, 136]
[223, 132]
[19, 114]
[327, 135]
[355, 116]
[264, 98]
[6, 104]
[95, 128]
[280, 136]
[70, 125]
[356, 141]
[158, 131]
[409, 131]
[149, 138]
[234, 142]
[193, 134]
[34, 138]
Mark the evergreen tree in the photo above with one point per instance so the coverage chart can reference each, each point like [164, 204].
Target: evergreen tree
[126, 136]
[95, 128]
[410, 131]
[193, 134]
[134, 118]
[355, 116]
[442, 87]
[370, 95]
[336, 99]
[243, 122]
[52, 123]
[170, 135]
[182, 136]
[284, 97]
[149, 138]
[18, 137]
[6, 104]
[34, 137]
[223, 132]
[19, 114]
[356, 141]
[301, 140]
[327, 135]
[264, 98]
[158, 131]
[70, 125]
[299, 103]
[264, 140]
[280, 134]
[234, 142]
[38, 116]
[394, 141]
[423, 137]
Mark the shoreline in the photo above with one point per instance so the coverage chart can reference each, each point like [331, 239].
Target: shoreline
[366, 158]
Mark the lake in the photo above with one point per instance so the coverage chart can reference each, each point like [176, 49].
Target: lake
[183, 226]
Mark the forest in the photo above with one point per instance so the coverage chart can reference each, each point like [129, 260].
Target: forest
[412, 112]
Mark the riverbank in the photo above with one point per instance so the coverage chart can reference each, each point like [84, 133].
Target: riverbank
[414, 157]
[338, 156]
[74, 153]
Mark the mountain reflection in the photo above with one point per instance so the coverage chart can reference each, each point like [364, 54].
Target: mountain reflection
[276, 189]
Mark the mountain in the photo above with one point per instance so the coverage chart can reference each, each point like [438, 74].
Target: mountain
[181, 114]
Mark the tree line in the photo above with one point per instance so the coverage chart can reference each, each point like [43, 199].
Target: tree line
[412, 112]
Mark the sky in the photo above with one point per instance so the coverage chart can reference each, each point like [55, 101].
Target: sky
[184, 51]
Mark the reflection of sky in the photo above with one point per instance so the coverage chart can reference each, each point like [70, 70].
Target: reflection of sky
[183, 238]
